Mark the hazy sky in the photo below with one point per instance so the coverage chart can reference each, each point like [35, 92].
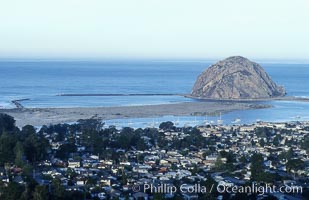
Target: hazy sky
[267, 29]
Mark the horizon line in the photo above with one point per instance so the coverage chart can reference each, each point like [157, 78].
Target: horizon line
[153, 59]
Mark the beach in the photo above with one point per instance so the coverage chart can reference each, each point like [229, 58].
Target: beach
[46, 116]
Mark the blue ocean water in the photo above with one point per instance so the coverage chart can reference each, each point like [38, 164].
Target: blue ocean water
[42, 81]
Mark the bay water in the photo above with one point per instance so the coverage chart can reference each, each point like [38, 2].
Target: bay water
[42, 83]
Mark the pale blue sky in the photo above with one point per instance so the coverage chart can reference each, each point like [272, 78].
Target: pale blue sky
[260, 29]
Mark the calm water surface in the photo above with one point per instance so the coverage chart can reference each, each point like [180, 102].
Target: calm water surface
[42, 81]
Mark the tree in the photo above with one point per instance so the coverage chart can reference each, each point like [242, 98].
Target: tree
[90, 124]
[19, 154]
[7, 144]
[35, 148]
[243, 159]
[28, 130]
[219, 164]
[29, 189]
[289, 154]
[58, 191]
[28, 171]
[65, 149]
[276, 140]
[167, 125]
[7, 123]
[256, 166]
[40, 193]
[75, 195]
[93, 141]
[126, 138]
[158, 196]
[295, 165]
[305, 142]
[209, 183]
[12, 192]
[262, 142]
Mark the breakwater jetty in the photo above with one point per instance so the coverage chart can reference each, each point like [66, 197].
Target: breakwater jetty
[108, 95]
[18, 104]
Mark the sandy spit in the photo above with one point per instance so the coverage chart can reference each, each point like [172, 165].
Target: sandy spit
[46, 116]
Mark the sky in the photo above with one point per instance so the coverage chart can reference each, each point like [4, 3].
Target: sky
[180, 29]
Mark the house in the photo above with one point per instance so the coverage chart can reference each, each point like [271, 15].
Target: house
[73, 164]
[106, 181]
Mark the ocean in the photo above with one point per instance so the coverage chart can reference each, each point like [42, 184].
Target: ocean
[41, 82]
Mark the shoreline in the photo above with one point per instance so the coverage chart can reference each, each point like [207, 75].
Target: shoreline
[18, 102]
[283, 98]
[46, 116]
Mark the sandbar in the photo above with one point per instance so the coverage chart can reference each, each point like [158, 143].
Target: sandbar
[46, 116]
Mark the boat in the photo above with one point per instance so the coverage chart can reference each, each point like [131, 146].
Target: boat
[236, 121]
[176, 122]
[220, 121]
[206, 121]
[195, 120]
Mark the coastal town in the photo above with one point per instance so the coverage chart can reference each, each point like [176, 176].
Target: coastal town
[154, 100]
[88, 160]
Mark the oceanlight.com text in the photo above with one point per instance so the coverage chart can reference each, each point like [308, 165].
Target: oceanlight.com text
[257, 189]
[220, 188]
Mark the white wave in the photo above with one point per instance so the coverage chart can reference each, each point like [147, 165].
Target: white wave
[305, 97]
[6, 105]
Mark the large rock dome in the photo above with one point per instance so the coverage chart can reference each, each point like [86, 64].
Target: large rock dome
[236, 78]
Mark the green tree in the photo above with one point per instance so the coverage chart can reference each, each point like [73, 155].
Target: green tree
[58, 191]
[257, 166]
[167, 125]
[40, 193]
[12, 192]
[90, 124]
[289, 154]
[28, 130]
[294, 164]
[305, 142]
[28, 171]
[243, 159]
[219, 164]
[276, 140]
[158, 196]
[19, 154]
[29, 189]
[7, 144]
[64, 150]
[262, 142]
[75, 195]
[35, 148]
[93, 141]
[7, 123]
[210, 183]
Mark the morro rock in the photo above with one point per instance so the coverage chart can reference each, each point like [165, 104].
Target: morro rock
[236, 78]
